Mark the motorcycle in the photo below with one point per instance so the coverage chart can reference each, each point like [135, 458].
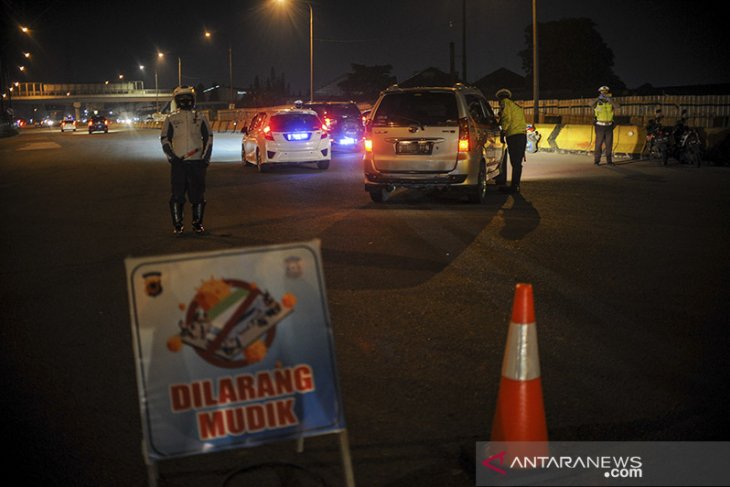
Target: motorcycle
[658, 139]
[686, 142]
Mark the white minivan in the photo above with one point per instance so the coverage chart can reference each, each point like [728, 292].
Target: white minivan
[444, 137]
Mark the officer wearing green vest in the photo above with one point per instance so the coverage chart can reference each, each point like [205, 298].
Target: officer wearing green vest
[603, 108]
[514, 130]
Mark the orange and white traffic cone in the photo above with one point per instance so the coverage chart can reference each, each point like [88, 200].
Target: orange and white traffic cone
[520, 413]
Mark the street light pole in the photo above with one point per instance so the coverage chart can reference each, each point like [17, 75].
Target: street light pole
[230, 76]
[157, 94]
[311, 53]
[179, 72]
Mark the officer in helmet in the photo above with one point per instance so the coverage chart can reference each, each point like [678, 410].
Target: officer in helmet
[187, 141]
[603, 109]
[514, 131]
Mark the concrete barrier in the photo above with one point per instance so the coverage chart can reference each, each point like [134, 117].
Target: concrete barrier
[575, 138]
[628, 139]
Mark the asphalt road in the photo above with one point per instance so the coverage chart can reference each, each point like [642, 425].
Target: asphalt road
[629, 266]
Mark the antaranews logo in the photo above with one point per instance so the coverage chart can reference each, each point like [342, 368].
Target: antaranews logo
[645, 463]
[617, 467]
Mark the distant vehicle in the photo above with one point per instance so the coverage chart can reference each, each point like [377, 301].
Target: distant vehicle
[20, 122]
[98, 123]
[343, 121]
[442, 138]
[288, 136]
[68, 125]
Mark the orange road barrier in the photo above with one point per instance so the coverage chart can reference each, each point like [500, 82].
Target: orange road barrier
[520, 413]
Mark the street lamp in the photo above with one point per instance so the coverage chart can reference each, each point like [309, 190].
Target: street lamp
[311, 49]
[157, 91]
[232, 101]
[161, 55]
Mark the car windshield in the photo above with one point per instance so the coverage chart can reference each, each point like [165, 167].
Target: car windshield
[290, 122]
[421, 108]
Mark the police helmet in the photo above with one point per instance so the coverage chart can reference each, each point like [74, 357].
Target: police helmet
[604, 89]
[503, 93]
[298, 104]
[184, 97]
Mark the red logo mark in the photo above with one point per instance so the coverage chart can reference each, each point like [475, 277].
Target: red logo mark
[487, 463]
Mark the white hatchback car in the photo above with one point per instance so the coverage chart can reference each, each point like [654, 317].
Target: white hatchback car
[287, 136]
[68, 124]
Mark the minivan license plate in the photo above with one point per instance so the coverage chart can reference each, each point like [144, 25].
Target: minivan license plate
[413, 147]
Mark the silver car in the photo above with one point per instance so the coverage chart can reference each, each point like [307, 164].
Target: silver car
[432, 138]
[288, 136]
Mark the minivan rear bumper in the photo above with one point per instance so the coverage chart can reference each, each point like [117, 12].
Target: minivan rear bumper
[412, 179]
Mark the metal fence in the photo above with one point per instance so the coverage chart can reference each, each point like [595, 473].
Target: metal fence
[707, 111]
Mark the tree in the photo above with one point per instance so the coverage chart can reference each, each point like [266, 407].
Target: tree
[573, 58]
[365, 83]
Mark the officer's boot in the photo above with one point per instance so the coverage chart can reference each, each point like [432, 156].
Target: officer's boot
[198, 210]
[176, 212]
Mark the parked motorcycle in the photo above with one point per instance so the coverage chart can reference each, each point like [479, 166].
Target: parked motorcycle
[686, 142]
[658, 139]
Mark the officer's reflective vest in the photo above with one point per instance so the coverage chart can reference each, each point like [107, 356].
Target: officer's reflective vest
[512, 118]
[604, 112]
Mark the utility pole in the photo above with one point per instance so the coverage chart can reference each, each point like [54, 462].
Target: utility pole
[463, 40]
[535, 78]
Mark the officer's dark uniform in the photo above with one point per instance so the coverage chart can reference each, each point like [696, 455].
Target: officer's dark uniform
[188, 143]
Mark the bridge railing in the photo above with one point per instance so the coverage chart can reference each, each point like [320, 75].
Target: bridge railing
[29, 89]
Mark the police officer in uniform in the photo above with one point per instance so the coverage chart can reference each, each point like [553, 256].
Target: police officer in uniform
[187, 141]
[514, 130]
[603, 108]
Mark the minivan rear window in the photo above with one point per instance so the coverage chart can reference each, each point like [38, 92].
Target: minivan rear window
[336, 109]
[290, 122]
[421, 108]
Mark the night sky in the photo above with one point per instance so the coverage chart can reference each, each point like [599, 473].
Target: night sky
[665, 43]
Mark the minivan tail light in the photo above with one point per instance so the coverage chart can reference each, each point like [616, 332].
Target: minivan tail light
[368, 145]
[267, 133]
[464, 135]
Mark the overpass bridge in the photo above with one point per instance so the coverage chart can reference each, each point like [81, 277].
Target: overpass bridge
[128, 95]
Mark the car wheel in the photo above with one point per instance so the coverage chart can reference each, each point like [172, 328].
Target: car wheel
[323, 165]
[479, 193]
[379, 195]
